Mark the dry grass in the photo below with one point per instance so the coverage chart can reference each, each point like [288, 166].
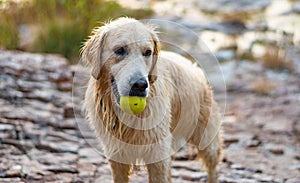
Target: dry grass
[275, 58]
[263, 87]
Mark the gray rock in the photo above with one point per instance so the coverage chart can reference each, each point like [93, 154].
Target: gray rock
[86, 169]
[62, 146]
[296, 7]
[104, 179]
[6, 127]
[188, 175]
[223, 55]
[232, 6]
[293, 180]
[53, 158]
[64, 86]
[188, 165]
[230, 139]
[10, 180]
[65, 124]
[88, 153]
[62, 177]
[62, 169]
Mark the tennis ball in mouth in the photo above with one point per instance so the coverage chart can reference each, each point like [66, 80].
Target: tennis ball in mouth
[132, 105]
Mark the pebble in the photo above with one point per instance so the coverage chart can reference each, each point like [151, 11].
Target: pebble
[230, 139]
[254, 142]
[68, 110]
[276, 150]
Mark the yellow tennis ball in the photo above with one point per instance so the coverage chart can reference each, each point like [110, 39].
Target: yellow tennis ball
[132, 105]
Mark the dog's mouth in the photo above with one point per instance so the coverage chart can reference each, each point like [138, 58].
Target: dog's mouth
[115, 89]
[133, 92]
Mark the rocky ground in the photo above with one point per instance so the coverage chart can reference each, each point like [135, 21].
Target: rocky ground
[44, 138]
[41, 142]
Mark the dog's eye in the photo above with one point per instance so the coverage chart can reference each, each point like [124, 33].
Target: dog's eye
[120, 51]
[147, 53]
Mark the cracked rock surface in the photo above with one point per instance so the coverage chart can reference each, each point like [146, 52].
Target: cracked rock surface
[40, 140]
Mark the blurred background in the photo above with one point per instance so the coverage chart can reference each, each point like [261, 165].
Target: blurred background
[245, 29]
[56, 26]
[257, 44]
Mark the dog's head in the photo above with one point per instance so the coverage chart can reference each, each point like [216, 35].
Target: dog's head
[126, 50]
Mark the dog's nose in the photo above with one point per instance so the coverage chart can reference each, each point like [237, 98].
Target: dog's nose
[138, 88]
[140, 85]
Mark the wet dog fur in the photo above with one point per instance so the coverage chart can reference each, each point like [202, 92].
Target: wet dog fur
[180, 105]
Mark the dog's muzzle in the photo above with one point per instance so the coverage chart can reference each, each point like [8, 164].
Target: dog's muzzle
[138, 87]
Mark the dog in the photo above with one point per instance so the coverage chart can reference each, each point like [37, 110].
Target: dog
[125, 60]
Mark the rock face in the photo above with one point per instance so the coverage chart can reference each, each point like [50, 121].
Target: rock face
[39, 138]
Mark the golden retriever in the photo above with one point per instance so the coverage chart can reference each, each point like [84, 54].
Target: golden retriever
[126, 60]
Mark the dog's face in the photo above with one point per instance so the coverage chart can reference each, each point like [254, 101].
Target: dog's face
[127, 50]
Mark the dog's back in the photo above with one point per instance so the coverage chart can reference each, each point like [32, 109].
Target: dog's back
[189, 86]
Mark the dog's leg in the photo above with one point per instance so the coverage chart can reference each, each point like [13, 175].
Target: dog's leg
[120, 172]
[211, 156]
[160, 172]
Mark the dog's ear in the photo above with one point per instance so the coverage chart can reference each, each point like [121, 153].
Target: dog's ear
[92, 49]
[153, 71]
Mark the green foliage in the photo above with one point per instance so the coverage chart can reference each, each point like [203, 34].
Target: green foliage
[63, 24]
[8, 34]
[8, 30]
[63, 38]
